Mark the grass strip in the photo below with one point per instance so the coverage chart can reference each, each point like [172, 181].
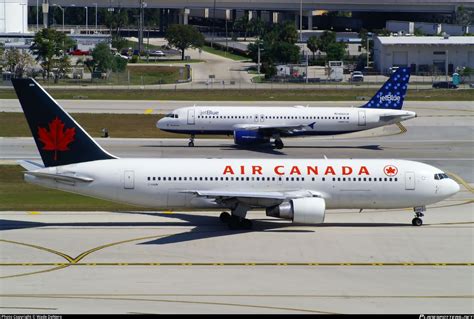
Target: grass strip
[119, 125]
[244, 95]
[225, 54]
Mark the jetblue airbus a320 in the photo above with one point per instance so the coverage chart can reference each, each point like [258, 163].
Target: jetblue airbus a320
[257, 125]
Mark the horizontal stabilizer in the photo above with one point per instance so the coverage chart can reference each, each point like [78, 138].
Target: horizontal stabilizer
[61, 177]
[30, 165]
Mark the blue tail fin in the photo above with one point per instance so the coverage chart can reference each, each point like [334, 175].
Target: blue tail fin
[392, 93]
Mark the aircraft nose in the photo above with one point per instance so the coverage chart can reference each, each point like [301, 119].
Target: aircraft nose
[159, 123]
[453, 187]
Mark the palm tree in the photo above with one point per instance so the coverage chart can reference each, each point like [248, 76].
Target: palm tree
[313, 45]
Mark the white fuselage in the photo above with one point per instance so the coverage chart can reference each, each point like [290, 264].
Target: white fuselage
[343, 183]
[313, 120]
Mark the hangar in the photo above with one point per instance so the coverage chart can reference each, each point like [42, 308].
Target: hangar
[424, 54]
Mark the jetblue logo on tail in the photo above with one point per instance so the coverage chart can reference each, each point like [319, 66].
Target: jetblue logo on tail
[389, 98]
[392, 93]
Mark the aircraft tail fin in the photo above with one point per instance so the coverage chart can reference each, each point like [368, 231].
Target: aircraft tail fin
[59, 138]
[392, 93]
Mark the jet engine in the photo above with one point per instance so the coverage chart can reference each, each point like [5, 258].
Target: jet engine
[300, 210]
[246, 137]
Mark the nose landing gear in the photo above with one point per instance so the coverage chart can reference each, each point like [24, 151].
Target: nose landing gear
[417, 221]
[191, 141]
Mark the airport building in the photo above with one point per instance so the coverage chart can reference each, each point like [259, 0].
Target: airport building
[13, 16]
[424, 54]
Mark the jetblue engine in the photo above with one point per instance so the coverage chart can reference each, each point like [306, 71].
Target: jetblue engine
[300, 210]
[246, 137]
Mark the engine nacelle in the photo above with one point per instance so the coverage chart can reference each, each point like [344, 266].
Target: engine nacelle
[246, 137]
[300, 210]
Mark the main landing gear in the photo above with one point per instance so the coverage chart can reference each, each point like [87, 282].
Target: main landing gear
[191, 141]
[235, 222]
[417, 221]
[278, 143]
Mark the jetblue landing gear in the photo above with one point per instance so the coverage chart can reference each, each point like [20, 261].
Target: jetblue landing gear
[278, 143]
[225, 217]
[417, 221]
[191, 141]
[235, 222]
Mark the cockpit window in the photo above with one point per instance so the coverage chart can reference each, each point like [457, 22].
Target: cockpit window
[440, 176]
[175, 116]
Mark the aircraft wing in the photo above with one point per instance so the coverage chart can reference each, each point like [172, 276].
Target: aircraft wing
[270, 129]
[256, 198]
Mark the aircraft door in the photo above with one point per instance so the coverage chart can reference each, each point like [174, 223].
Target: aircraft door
[191, 116]
[256, 117]
[262, 117]
[410, 180]
[129, 180]
[361, 118]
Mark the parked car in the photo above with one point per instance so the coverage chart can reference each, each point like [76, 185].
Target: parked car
[156, 53]
[392, 70]
[79, 52]
[444, 85]
[126, 57]
[126, 51]
[357, 76]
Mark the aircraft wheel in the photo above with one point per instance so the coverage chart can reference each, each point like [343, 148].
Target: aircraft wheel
[278, 144]
[191, 144]
[417, 221]
[225, 217]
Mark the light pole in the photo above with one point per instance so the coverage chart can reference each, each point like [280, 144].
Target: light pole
[446, 65]
[306, 54]
[301, 20]
[87, 22]
[37, 17]
[95, 16]
[62, 9]
[258, 58]
[23, 17]
[368, 51]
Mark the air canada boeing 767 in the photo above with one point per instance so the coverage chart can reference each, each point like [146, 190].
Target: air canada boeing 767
[300, 190]
[260, 125]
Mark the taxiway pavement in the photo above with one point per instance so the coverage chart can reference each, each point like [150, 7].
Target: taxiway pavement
[187, 262]
[161, 107]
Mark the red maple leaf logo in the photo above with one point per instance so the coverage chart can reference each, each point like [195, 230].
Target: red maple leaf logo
[390, 170]
[57, 139]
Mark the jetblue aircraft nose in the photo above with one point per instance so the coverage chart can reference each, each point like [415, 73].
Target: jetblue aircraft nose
[159, 123]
